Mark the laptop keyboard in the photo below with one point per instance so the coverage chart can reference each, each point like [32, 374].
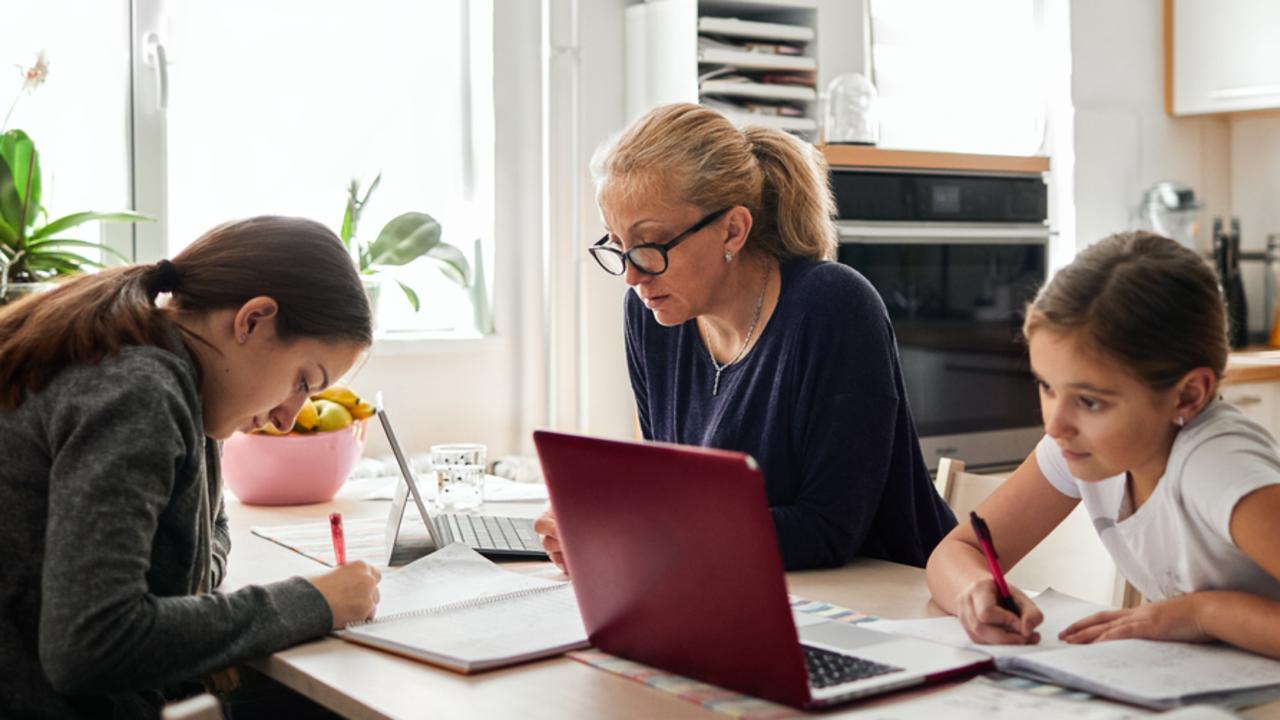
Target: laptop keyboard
[828, 668]
[497, 533]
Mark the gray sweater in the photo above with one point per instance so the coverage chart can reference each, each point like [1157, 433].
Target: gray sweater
[114, 537]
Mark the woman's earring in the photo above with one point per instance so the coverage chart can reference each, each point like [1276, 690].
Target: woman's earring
[244, 338]
[1180, 421]
[728, 256]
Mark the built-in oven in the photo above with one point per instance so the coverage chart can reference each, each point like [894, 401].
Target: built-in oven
[955, 257]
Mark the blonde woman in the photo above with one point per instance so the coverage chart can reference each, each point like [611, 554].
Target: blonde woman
[742, 334]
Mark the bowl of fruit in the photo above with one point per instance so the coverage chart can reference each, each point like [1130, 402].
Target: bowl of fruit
[307, 464]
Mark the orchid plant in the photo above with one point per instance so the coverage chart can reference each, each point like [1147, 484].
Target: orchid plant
[33, 247]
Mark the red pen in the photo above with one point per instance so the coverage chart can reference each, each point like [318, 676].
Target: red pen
[339, 541]
[1003, 598]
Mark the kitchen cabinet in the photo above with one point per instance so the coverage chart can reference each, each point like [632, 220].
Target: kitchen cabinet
[1252, 383]
[1256, 400]
[1221, 56]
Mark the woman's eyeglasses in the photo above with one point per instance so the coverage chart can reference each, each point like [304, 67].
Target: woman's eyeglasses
[649, 258]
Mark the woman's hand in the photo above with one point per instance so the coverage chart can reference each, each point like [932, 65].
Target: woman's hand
[351, 591]
[1176, 619]
[546, 528]
[989, 624]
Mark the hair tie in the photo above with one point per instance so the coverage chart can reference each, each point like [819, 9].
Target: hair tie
[164, 278]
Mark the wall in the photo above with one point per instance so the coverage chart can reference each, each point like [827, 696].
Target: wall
[1124, 141]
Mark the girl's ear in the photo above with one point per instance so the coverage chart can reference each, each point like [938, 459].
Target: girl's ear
[251, 316]
[1196, 389]
[738, 223]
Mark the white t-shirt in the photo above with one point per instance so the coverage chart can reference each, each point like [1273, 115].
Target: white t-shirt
[1179, 541]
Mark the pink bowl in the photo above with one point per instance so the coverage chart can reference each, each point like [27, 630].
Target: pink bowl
[290, 469]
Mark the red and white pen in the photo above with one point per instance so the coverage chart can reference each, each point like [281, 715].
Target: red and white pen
[339, 540]
[1003, 597]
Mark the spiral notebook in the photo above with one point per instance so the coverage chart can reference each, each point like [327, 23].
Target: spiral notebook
[456, 609]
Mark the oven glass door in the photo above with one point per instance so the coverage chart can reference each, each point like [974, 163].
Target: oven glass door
[957, 308]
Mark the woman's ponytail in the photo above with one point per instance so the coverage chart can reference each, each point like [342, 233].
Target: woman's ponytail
[797, 206]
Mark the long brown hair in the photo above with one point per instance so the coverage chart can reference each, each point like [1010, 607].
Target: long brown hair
[781, 180]
[299, 263]
[1142, 299]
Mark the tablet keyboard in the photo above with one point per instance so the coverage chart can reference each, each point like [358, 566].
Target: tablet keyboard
[488, 532]
[828, 668]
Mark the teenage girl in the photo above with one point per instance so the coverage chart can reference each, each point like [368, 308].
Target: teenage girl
[111, 516]
[1128, 345]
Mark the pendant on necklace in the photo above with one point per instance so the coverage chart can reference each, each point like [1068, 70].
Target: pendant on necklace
[715, 387]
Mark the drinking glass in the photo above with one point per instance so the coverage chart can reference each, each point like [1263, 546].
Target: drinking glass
[459, 471]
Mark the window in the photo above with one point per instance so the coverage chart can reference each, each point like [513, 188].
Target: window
[273, 108]
[960, 76]
[84, 155]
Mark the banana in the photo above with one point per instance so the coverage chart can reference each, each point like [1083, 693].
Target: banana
[344, 396]
[339, 394]
[307, 418]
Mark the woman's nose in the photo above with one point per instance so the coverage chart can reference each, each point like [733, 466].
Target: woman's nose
[634, 277]
[286, 413]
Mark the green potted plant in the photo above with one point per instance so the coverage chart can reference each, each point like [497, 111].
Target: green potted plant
[33, 248]
[403, 239]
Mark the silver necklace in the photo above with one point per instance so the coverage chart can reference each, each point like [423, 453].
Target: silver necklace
[715, 387]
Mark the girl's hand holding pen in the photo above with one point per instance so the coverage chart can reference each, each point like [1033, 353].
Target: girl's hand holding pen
[989, 624]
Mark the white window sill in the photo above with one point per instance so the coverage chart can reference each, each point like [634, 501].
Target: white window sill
[392, 344]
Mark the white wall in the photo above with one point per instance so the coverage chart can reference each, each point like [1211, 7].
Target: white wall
[1124, 141]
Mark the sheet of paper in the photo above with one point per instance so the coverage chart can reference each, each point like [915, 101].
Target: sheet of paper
[1060, 610]
[365, 539]
[983, 699]
[451, 575]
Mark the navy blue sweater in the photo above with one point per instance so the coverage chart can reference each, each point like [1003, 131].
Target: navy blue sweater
[818, 402]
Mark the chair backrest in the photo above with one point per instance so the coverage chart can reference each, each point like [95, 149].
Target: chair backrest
[200, 707]
[1071, 558]
[963, 491]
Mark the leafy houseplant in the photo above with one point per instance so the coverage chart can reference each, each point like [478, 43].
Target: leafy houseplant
[403, 239]
[33, 248]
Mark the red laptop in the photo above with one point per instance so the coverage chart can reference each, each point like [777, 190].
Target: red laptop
[675, 564]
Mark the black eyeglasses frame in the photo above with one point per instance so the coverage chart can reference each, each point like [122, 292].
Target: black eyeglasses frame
[601, 247]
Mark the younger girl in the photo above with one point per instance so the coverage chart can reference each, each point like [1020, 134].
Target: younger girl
[111, 517]
[1128, 345]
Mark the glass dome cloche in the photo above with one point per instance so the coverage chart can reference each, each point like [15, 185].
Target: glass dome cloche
[851, 116]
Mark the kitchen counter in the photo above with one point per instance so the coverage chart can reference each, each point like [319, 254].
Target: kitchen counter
[866, 156]
[1253, 364]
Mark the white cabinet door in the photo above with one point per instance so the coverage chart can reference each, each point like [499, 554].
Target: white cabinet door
[1257, 400]
[1226, 55]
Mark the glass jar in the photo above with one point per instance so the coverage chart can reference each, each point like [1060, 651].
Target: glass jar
[851, 115]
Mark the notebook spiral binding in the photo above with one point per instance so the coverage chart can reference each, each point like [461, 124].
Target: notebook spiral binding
[461, 604]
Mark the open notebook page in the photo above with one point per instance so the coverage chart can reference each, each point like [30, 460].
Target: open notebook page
[450, 575]
[1060, 610]
[1157, 674]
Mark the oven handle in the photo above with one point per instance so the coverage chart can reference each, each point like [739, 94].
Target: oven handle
[859, 232]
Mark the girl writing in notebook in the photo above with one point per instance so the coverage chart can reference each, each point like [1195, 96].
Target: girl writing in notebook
[742, 334]
[111, 514]
[1128, 345]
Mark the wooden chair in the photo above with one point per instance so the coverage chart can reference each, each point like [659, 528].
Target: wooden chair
[200, 707]
[1071, 558]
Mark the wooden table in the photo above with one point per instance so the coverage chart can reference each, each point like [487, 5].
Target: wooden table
[361, 682]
